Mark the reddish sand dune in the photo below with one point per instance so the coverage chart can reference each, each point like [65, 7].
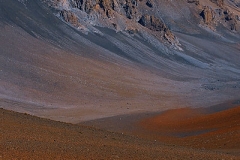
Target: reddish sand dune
[195, 128]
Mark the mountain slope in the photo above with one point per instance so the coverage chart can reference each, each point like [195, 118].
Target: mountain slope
[29, 137]
[52, 68]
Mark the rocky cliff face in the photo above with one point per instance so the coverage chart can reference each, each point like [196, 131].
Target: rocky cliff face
[221, 15]
[120, 15]
[132, 16]
[126, 7]
[155, 24]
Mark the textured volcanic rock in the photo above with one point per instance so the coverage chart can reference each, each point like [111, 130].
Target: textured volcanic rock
[220, 3]
[155, 24]
[152, 23]
[193, 1]
[112, 14]
[127, 6]
[231, 19]
[208, 15]
[70, 17]
[149, 3]
[130, 8]
[124, 15]
[220, 16]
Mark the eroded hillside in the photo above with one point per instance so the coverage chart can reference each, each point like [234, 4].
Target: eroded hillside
[78, 60]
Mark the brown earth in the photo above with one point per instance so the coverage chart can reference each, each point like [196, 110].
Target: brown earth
[28, 137]
[196, 128]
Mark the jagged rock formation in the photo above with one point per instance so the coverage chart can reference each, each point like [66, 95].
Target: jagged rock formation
[130, 8]
[149, 3]
[231, 19]
[127, 7]
[121, 15]
[126, 15]
[155, 24]
[70, 17]
[221, 15]
[152, 23]
[207, 15]
[220, 3]
[193, 1]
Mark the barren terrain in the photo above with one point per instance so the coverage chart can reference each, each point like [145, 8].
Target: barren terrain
[135, 67]
[215, 128]
[51, 69]
[189, 127]
[29, 137]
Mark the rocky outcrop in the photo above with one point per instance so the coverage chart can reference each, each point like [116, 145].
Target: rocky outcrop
[207, 15]
[70, 17]
[231, 19]
[152, 23]
[121, 15]
[219, 14]
[155, 24]
[219, 3]
[128, 7]
[223, 16]
[193, 1]
[149, 3]
[86, 6]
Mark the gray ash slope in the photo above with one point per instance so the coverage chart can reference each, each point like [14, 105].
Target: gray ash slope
[92, 59]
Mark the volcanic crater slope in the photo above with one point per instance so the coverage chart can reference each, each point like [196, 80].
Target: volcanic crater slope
[46, 139]
[74, 60]
[81, 60]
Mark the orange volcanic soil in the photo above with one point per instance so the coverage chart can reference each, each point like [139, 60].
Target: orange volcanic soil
[196, 128]
[28, 137]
